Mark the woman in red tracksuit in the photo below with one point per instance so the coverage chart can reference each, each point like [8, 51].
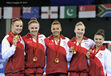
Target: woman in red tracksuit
[100, 57]
[79, 62]
[35, 50]
[13, 50]
[57, 52]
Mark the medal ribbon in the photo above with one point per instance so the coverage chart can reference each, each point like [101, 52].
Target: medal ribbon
[36, 48]
[78, 45]
[12, 34]
[57, 47]
[97, 50]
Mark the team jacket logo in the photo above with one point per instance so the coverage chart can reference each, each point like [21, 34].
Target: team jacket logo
[64, 43]
[51, 42]
[100, 55]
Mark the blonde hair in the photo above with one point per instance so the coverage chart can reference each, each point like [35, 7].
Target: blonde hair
[14, 20]
[33, 20]
[56, 22]
[80, 23]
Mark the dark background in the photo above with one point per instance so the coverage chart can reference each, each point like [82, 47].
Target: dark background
[92, 24]
[51, 2]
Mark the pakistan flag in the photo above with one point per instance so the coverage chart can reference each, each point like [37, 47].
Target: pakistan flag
[68, 11]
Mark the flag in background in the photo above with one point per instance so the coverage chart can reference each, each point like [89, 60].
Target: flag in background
[68, 11]
[104, 10]
[0, 12]
[29, 12]
[11, 12]
[87, 11]
[49, 12]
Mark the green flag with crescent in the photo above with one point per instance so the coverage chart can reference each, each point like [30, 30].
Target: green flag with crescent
[68, 12]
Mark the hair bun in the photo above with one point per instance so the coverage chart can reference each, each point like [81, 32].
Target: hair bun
[33, 18]
[14, 19]
[101, 31]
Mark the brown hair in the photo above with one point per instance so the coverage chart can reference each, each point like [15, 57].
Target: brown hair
[100, 32]
[56, 22]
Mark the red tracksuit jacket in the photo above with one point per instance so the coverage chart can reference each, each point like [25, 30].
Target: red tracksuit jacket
[30, 47]
[51, 53]
[16, 62]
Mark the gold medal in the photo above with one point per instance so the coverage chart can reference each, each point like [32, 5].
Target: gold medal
[16, 36]
[34, 58]
[74, 52]
[56, 60]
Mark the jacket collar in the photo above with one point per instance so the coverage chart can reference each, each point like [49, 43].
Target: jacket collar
[30, 36]
[51, 37]
[102, 47]
[11, 34]
[74, 38]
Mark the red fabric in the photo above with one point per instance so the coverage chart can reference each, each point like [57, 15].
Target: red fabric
[79, 60]
[74, 38]
[71, 44]
[53, 67]
[96, 68]
[78, 74]
[57, 74]
[74, 74]
[79, 63]
[33, 72]
[34, 75]
[30, 46]
[79, 48]
[83, 74]
[15, 74]
[16, 62]
[38, 75]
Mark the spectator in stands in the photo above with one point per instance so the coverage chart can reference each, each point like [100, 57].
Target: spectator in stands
[57, 51]
[100, 58]
[79, 62]
[13, 50]
[35, 50]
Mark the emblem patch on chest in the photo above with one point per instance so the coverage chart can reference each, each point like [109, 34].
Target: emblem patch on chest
[100, 55]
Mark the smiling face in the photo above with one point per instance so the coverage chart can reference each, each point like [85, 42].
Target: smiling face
[99, 39]
[34, 28]
[17, 27]
[56, 29]
[79, 30]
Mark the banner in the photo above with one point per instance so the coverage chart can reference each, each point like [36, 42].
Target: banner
[49, 12]
[68, 12]
[29, 12]
[11, 12]
[88, 11]
[104, 10]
